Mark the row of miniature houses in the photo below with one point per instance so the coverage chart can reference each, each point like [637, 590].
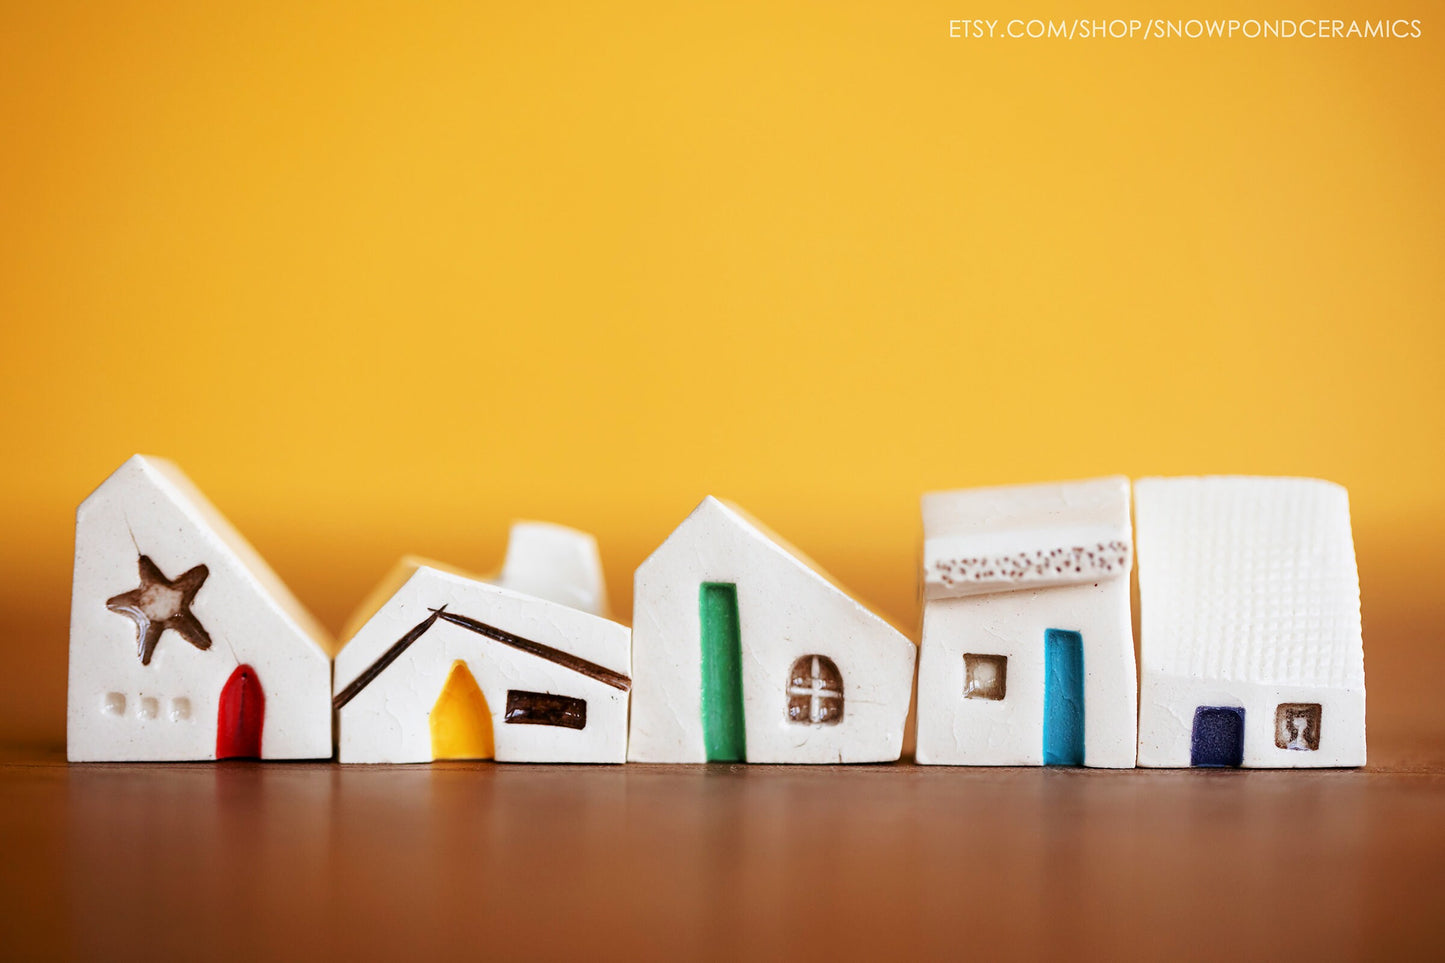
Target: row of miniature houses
[185, 645]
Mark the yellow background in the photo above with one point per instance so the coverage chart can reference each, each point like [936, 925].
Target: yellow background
[381, 278]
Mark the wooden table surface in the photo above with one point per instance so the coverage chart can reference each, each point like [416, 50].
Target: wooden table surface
[514, 862]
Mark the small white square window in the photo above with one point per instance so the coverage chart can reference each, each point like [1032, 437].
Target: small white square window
[114, 704]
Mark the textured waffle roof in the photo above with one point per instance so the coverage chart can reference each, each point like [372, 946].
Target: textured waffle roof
[1248, 579]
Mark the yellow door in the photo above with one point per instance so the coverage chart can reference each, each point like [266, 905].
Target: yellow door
[461, 723]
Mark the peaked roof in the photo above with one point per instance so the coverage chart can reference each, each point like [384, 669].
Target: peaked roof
[1248, 579]
[983, 540]
[167, 479]
[381, 593]
[548, 561]
[713, 507]
[558, 614]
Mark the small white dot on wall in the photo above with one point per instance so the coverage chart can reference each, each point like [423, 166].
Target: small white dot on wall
[180, 709]
[114, 704]
[150, 707]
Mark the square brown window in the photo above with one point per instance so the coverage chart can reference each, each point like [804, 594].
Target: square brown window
[984, 676]
[1297, 726]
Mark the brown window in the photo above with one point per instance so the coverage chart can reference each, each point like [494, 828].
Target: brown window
[1297, 726]
[544, 709]
[815, 692]
[985, 676]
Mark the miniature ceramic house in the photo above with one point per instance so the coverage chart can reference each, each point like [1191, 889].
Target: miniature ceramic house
[745, 651]
[1249, 624]
[557, 563]
[183, 643]
[1028, 651]
[455, 667]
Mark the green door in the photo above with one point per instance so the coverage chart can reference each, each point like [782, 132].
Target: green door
[722, 673]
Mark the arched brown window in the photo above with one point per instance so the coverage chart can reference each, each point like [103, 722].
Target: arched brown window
[815, 692]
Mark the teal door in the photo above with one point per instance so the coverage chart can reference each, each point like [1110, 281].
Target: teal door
[722, 673]
[1063, 698]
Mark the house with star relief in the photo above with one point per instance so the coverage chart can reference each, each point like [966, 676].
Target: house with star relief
[184, 644]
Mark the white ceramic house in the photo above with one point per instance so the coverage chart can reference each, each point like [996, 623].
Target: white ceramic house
[1250, 638]
[183, 643]
[1028, 649]
[744, 650]
[455, 667]
[557, 563]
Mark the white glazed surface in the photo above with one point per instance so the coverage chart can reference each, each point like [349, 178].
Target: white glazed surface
[983, 540]
[1008, 611]
[1166, 729]
[1249, 596]
[953, 730]
[787, 609]
[148, 507]
[557, 563]
[388, 722]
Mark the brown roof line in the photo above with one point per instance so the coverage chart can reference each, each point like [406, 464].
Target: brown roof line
[565, 659]
[354, 687]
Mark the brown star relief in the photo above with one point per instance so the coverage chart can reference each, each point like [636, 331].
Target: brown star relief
[161, 604]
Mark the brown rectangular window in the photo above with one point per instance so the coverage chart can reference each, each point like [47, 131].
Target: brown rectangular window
[543, 709]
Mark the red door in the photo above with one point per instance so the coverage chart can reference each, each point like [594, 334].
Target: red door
[243, 710]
